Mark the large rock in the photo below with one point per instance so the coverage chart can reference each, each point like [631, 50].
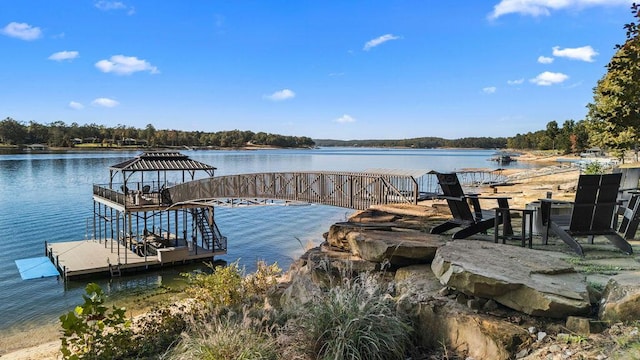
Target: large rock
[395, 247]
[621, 298]
[337, 235]
[443, 322]
[417, 282]
[534, 282]
[477, 336]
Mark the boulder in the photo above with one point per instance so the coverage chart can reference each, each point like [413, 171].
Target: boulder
[416, 281]
[440, 321]
[474, 335]
[373, 216]
[531, 281]
[621, 298]
[395, 247]
[337, 235]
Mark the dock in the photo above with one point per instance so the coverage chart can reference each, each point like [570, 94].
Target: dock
[84, 258]
[158, 208]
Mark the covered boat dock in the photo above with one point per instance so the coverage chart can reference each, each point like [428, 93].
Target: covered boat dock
[133, 226]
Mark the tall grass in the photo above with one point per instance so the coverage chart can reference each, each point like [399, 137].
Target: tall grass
[355, 320]
[225, 338]
[239, 317]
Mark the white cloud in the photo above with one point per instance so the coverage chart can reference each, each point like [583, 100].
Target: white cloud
[515, 82]
[549, 78]
[545, 60]
[280, 95]
[76, 105]
[105, 102]
[64, 55]
[22, 31]
[585, 53]
[544, 7]
[345, 119]
[379, 41]
[489, 90]
[105, 5]
[125, 65]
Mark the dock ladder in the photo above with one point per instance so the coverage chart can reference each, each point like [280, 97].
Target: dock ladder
[114, 270]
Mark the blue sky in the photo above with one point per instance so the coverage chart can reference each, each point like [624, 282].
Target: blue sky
[324, 69]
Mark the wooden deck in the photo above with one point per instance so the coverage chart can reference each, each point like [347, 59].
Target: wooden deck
[91, 257]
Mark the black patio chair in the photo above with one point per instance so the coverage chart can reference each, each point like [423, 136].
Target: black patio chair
[471, 222]
[593, 210]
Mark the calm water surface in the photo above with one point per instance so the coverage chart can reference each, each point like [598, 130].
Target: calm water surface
[47, 197]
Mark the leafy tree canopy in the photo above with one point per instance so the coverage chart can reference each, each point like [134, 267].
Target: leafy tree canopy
[614, 114]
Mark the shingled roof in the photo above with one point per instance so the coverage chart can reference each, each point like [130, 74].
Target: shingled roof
[162, 161]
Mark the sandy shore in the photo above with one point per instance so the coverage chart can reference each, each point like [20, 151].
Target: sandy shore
[46, 351]
[526, 185]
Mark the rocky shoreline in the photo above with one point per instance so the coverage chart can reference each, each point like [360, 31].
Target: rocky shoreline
[487, 300]
[477, 299]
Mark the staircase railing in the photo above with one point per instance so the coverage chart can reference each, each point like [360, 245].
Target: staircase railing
[212, 238]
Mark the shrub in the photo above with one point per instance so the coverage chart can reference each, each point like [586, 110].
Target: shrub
[91, 331]
[594, 168]
[223, 287]
[158, 330]
[226, 286]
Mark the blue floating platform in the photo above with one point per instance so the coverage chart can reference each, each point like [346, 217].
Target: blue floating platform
[36, 268]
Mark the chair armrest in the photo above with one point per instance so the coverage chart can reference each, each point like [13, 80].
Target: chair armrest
[555, 201]
[545, 208]
[512, 209]
[631, 190]
[456, 198]
[493, 197]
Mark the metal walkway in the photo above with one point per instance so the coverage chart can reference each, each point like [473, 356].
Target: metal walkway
[344, 189]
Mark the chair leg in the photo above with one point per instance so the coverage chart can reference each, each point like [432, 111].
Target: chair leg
[568, 239]
[443, 227]
[619, 242]
[474, 229]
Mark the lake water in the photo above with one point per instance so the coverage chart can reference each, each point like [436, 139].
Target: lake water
[48, 197]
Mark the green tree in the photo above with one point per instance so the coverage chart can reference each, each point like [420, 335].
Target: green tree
[37, 133]
[614, 114]
[552, 132]
[12, 132]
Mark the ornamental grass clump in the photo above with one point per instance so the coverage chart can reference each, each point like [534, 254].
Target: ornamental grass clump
[225, 338]
[355, 320]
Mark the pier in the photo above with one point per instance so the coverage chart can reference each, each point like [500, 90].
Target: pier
[158, 209]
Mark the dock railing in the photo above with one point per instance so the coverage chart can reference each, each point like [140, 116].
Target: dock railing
[136, 195]
[109, 194]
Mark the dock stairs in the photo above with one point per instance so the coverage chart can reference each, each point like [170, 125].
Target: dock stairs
[212, 239]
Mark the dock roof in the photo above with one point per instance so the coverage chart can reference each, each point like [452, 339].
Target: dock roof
[162, 161]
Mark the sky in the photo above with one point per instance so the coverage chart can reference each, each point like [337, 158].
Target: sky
[332, 69]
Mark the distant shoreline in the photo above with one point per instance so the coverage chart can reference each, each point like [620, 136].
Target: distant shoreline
[49, 150]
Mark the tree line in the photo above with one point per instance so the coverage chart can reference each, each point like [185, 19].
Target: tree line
[421, 143]
[570, 138]
[59, 134]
